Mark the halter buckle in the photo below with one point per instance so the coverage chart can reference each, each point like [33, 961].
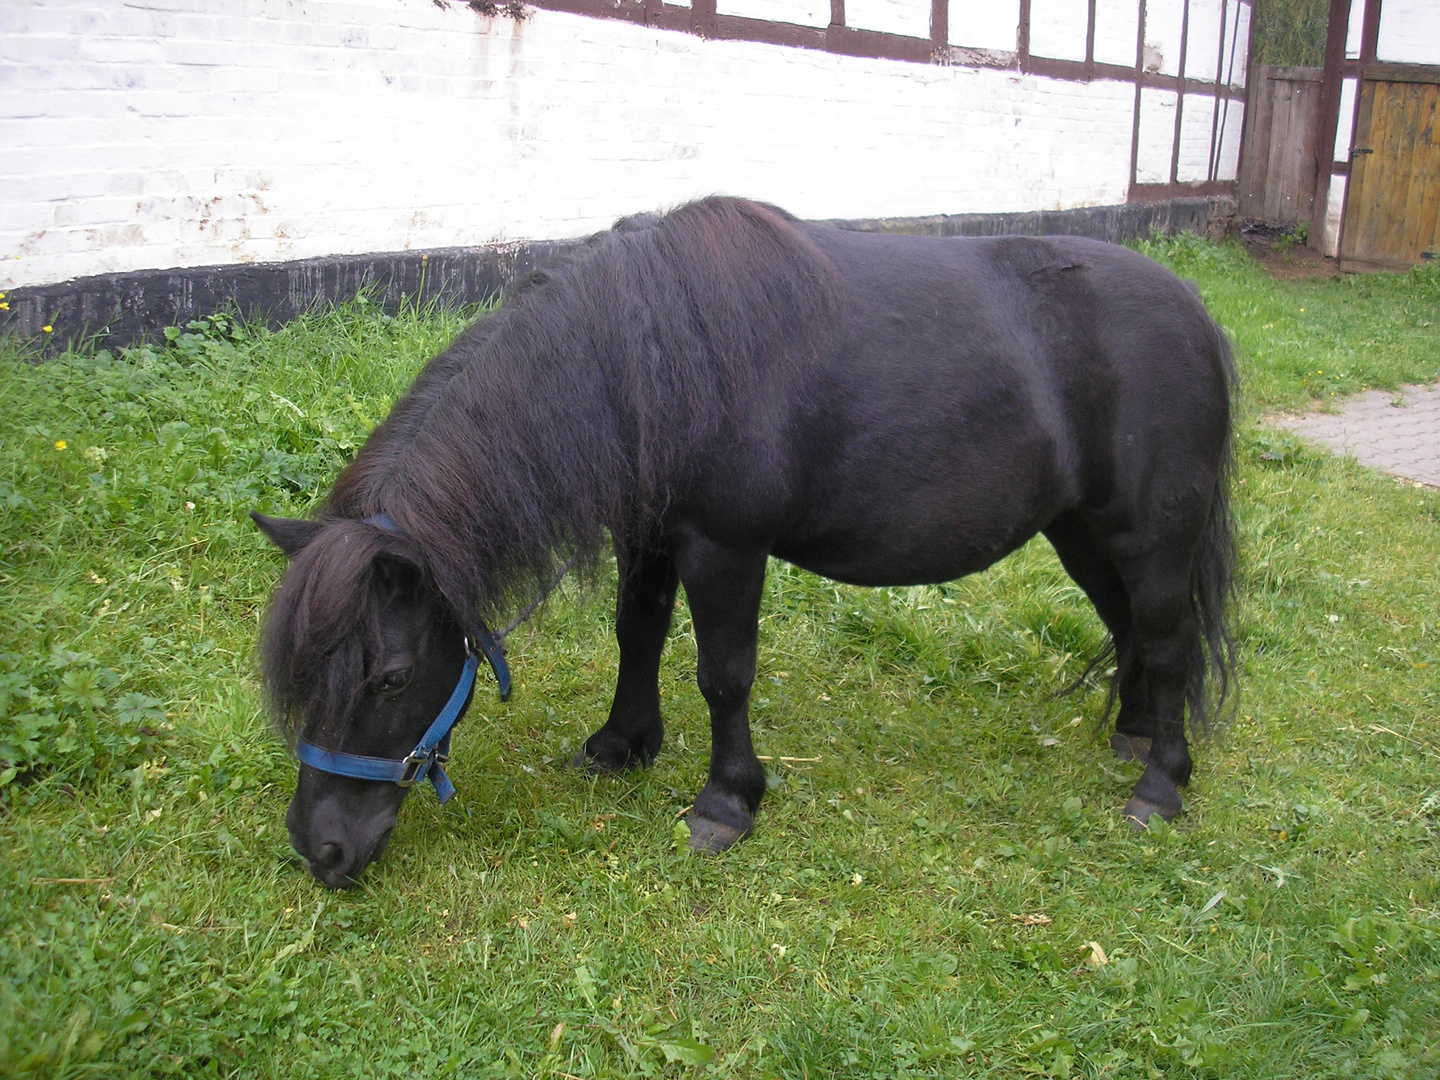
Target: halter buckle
[414, 766]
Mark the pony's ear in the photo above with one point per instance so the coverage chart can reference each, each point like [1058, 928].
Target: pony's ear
[290, 535]
[397, 572]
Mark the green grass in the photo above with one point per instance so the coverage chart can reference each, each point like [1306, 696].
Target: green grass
[920, 900]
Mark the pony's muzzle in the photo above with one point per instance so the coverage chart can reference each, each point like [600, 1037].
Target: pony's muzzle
[338, 845]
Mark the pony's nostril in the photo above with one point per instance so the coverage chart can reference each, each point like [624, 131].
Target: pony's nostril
[327, 856]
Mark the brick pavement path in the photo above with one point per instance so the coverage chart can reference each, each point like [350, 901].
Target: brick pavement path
[1396, 432]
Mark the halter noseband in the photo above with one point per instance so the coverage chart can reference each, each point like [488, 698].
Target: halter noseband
[426, 761]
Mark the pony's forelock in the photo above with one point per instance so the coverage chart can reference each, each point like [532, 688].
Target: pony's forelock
[323, 632]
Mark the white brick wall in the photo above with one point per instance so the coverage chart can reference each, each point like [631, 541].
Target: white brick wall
[1196, 119]
[1164, 20]
[1409, 32]
[801, 12]
[168, 133]
[910, 17]
[1057, 28]
[1116, 23]
[985, 24]
[1157, 136]
[1203, 42]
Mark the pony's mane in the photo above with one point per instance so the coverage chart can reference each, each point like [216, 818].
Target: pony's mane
[578, 407]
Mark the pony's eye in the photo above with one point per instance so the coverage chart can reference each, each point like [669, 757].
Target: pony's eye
[395, 680]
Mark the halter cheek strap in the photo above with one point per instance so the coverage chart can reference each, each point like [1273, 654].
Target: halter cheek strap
[425, 762]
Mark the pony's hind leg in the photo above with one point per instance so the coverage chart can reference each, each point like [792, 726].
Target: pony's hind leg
[1164, 635]
[644, 602]
[1086, 562]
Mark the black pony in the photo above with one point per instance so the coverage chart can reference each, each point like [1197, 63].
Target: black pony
[726, 383]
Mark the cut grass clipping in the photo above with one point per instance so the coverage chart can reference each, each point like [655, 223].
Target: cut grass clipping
[939, 886]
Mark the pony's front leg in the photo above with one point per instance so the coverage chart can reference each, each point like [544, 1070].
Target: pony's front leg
[644, 601]
[724, 586]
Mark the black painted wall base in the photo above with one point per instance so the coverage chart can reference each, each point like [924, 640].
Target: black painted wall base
[1213, 217]
[126, 309]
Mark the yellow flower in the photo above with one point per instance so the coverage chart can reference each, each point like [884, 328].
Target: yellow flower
[61, 444]
[4, 304]
[47, 328]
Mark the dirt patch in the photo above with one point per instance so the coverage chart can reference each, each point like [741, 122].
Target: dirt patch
[1280, 248]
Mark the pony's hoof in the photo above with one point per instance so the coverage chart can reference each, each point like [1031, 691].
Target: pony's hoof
[1130, 747]
[712, 837]
[593, 765]
[1138, 811]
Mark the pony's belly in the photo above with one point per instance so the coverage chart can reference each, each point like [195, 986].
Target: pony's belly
[876, 564]
[893, 532]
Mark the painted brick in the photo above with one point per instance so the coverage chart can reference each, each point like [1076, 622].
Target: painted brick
[1163, 22]
[1116, 25]
[194, 132]
[1196, 119]
[1409, 32]
[1057, 28]
[1157, 136]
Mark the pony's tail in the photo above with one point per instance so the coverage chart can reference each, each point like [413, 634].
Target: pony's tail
[1212, 586]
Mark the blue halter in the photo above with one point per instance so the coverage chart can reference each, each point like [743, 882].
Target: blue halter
[427, 760]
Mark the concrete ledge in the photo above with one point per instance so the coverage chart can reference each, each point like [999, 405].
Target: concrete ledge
[1213, 217]
[126, 309]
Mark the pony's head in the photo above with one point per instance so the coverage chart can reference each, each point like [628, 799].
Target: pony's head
[360, 654]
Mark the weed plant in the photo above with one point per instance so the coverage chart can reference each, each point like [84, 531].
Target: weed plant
[1289, 32]
[939, 886]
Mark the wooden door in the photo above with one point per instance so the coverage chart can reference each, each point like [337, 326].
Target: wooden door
[1282, 121]
[1392, 208]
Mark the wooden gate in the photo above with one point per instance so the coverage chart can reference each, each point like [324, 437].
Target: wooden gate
[1277, 169]
[1392, 208]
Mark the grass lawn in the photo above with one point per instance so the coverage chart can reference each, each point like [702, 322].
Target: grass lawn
[940, 884]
